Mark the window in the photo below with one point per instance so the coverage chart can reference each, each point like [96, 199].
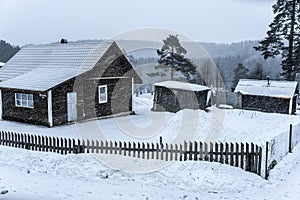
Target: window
[102, 93]
[24, 100]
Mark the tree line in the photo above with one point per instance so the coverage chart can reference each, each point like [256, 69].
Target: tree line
[7, 51]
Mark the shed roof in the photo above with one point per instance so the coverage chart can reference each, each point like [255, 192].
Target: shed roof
[182, 86]
[281, 89]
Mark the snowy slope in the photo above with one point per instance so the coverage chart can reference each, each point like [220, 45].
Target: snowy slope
[30, 175]
[34, 175]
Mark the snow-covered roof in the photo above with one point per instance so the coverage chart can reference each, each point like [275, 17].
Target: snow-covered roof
[2, 64]
[182, 86]
[33, 62]
[47, 79]
[283, 89]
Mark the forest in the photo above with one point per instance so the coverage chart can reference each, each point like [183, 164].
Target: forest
[7, 51]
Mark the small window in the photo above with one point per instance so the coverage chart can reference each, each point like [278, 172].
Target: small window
[24, 100]
[102, 93]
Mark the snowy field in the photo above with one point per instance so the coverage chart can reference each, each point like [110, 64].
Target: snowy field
[28, 175]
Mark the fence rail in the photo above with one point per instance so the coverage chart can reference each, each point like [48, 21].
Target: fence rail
[244, 155]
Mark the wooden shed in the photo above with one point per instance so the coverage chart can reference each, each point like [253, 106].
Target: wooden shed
[268, 95]
[173, 96]
[54, 84]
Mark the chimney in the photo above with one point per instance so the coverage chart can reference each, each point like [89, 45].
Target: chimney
[268, 78]
[64, 41]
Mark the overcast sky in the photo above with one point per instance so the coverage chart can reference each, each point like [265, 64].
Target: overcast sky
[45, 21]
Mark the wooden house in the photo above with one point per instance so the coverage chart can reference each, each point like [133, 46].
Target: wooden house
[54, 84]
[268, 95]
[173, 96]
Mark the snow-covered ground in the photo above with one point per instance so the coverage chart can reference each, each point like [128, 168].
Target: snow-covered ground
[214, 125]
[29, 175]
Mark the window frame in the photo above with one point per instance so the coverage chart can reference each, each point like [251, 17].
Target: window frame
[24, 100]
[99, 94]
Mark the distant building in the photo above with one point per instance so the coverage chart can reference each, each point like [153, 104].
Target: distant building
[268, 95]
[173, 96]
[58, 83]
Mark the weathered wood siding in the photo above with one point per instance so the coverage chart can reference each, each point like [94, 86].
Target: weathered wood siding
[59, 102]
[112, 69]
[112, 64]
[173, 100]
[295, 103]
[36, 115]
[119, 98]
[88, 106]
[266, 104]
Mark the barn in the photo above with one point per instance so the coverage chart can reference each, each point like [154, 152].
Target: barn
[173, 96]
[268, 95]
[54, 84]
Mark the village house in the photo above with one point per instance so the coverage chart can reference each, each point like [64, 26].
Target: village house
[53, 84]
[268, 95]
[173, 96]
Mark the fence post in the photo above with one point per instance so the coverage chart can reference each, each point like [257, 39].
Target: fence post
[248, 160]
[185, 150]
[231, 154]
[195, 150]
[206, 152]
[190, 151]
[266, 167]
[143, 150]
[242, 156]
[161, 148]
[259, 161]
[290, 139]
[221, 152]
[237, 149]
[148, 151]
[134, 149]
[120, 148]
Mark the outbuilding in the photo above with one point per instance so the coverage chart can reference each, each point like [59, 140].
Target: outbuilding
[53, 84]
[268, 95]
[173, 96]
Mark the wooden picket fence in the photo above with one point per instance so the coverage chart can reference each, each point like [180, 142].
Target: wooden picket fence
[244, 155]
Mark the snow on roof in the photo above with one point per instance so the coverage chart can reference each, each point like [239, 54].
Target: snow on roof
[47, 79]
[182, 86]
[2, 64]
[284, 89]
[81, 56]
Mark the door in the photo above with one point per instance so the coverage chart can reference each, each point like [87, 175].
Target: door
[72, 109]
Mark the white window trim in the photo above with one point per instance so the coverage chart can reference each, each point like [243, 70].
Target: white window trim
[99, 87]
[24, 106]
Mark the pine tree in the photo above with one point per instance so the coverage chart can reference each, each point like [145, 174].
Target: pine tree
[172, 57]
[240, 72]
[283, 37]
[258, 72]
[7, 51]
